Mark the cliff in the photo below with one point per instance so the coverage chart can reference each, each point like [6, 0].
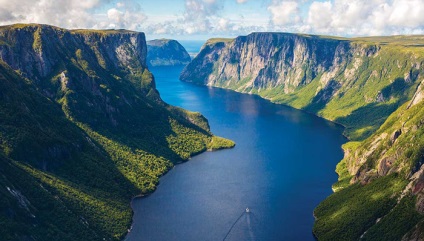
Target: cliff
[373, 86]
[82, 131]
[166, 52]
[338, 79]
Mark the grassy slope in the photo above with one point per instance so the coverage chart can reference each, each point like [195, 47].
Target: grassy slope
[354, 208]
[400, 216]
[347, 215]
[384, 73]
[378, 200]
[77, 157]
[354, 104]
[395, 216]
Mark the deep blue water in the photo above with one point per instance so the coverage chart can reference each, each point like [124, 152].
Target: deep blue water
[282, 167]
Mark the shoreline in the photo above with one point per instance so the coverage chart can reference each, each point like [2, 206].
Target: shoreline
[335, 124]
[145, 195]
[275, 103]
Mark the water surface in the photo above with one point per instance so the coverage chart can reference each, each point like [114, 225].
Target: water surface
[282, 167]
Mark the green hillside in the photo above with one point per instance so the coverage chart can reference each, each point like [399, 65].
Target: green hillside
[371, 85]
[356, 82]
[82, 131]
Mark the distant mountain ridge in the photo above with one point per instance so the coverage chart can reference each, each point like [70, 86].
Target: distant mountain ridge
[373, 86]
[82, 131]
[166, 52]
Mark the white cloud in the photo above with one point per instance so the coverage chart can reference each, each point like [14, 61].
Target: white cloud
[65, 13]
[319, 16]
[200, 16]
[406, 13]
[223, 24]
[361, 17]
[127, 15]
[285, 12]
[115, 15]
[208, 17]
[72, 14]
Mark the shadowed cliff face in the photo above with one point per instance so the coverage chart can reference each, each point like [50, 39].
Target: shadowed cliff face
[373, 86]
[38, 51]
[82, 130]
[166, 52]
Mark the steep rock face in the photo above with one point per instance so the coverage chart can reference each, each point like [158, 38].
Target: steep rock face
[200, 68]
[82, 131]
[166, 52]
[263, 60]
[339, 79]
[38, 51]
[373, 86]
[381, 180]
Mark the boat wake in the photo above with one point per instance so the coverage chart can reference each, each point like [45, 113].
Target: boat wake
[247, 211]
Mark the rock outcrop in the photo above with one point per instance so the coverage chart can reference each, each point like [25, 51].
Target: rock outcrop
[373, 86]
[39, 50]
[166, 52]
[82, 131]
[337, 78]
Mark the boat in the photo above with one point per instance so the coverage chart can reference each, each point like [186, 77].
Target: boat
[247, 210]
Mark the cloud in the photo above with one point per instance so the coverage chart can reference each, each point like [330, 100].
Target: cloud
[209, 17]
[285, 12]
[360, 17]
[115, 15]
[201, 16]
[6, 15]
[405, 13]
[126, 15]
[72, 14]
[348, 17]
[59, 12]
[319, 16]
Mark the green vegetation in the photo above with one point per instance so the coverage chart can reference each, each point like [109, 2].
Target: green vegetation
[354, 104]
[49, 161]
[347, 214]
[218, 40]
[373, 77]
[83, 133]
[404, 215]
[218, 143]
[102, 32]
[406, 152]
[367, 85]
[400, 40]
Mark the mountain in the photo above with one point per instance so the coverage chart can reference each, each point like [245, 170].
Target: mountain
[379, 195]
[82, 131]
[373, 86]
[166, 52]
[339, 79]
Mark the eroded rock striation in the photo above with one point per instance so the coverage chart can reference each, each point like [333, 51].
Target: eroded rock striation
[82, 131]
[337, 78]
[373, 86]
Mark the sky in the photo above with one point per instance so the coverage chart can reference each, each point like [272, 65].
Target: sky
[203, 19]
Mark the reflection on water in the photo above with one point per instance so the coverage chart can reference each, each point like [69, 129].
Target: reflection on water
[281, 168]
